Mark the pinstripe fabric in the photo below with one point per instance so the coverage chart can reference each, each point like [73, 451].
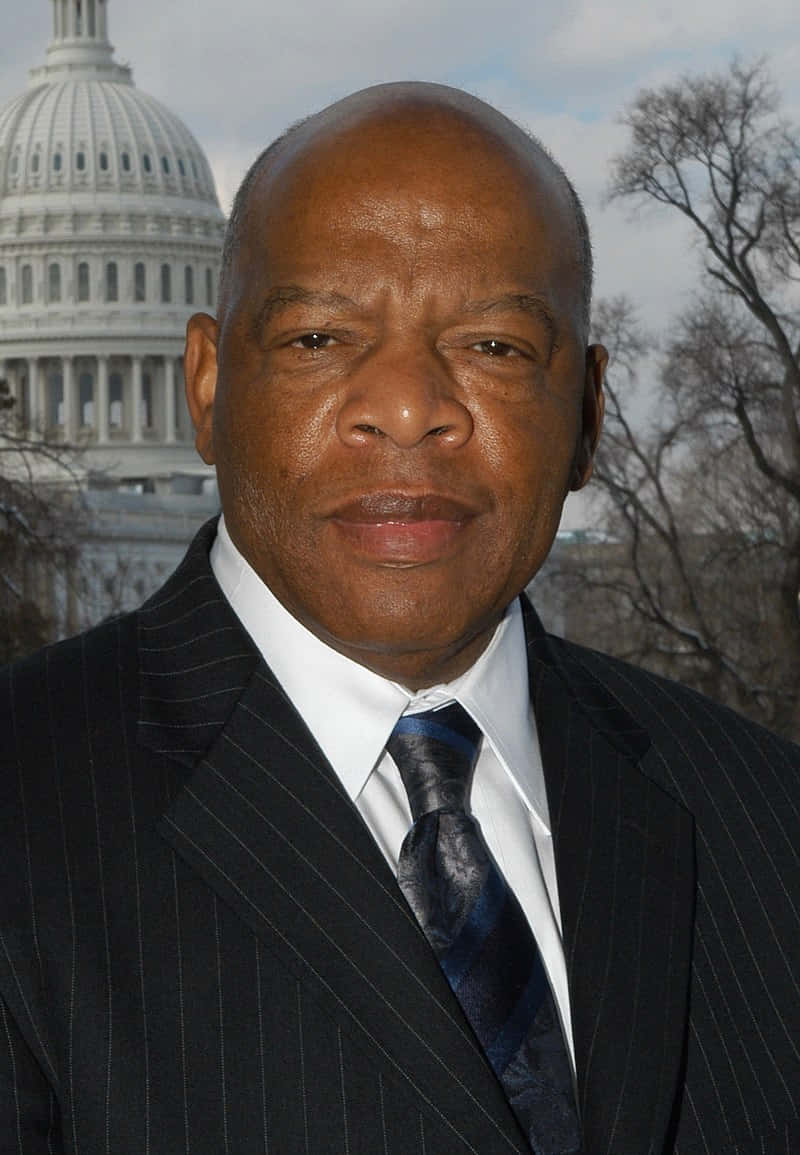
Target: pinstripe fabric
[713, 810]
[201, 948]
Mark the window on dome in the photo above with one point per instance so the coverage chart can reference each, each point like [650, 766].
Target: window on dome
[166, 284]
[209, 288]
[14, 164]
[35, 162]
[104, 162]
[56, 162]
[3, 286]
[165, 164]
[194, 169]
[139, 282]
[126, 162]
[146, 162]
[80, 161]
[188, 284]
[112, 281]
[27, 284]
[181, 166]
[83, 281]
[54, 282]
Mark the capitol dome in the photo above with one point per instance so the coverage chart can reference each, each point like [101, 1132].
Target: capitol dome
[110, 237]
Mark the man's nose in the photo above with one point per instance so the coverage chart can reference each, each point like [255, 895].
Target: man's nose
[405, 396]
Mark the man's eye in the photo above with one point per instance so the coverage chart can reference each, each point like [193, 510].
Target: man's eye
[313, 340]
[495, 348]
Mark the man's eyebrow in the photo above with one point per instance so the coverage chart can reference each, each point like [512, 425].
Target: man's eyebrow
[282, 296]
[521, 302]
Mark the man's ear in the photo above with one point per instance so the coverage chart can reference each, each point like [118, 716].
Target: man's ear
[200, 373]
[594, 403]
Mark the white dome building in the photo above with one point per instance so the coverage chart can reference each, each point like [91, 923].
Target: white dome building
[110, 237]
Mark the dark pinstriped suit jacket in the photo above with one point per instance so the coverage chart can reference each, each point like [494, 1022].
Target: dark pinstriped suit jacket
[204, 951]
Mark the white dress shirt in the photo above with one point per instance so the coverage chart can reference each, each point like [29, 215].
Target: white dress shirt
[351, 712]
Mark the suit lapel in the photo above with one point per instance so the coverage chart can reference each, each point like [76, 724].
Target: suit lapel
[263, 818]
[194, 659]
[625, 868]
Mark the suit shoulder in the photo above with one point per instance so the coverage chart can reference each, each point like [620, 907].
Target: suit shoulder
[93, 653]
[62, 705]
[674, 715]
[113, 644]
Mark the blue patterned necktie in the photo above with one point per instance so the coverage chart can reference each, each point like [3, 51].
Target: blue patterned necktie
[477, 928]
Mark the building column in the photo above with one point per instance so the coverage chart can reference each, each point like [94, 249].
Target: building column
[136, 399]
[35, 419]
[68, 377]
[101, 399]
[169, 400]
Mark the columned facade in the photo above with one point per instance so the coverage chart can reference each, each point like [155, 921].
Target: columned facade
[67, 399]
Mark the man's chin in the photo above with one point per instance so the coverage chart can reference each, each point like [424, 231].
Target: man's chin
[413, 650]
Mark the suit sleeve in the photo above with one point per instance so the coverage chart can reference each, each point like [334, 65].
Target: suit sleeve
[29, 1116]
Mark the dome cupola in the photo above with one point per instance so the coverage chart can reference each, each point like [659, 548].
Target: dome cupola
[80, 44]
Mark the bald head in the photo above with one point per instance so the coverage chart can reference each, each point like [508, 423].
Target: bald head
[429, 105]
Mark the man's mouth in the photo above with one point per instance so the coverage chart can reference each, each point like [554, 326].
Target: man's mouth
[402, 529]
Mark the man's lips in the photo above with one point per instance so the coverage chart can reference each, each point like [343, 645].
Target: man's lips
[402, 529]
[377, 508]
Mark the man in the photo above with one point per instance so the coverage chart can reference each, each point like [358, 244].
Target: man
[211, 928]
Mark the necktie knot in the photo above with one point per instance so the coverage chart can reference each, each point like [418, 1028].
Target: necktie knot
[436, 753]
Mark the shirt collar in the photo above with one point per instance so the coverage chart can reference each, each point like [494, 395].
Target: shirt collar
[494, 691]
[351, 710]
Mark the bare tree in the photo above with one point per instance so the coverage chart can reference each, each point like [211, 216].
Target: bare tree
[716, 150]
[702, 571]
[41, 517]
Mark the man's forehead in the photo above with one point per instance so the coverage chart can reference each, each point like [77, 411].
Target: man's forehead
[428, 131]
[434, 147]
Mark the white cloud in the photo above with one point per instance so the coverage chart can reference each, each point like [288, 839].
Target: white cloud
[285, 61]
[596, 34]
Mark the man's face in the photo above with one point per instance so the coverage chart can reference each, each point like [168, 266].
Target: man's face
[398, 398]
